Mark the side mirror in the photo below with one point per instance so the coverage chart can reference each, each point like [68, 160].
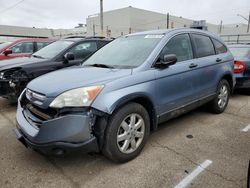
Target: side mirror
[68, 57]
[167, 61]
[7, 52]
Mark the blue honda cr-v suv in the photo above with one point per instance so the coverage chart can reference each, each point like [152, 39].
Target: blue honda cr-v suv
[121, 93]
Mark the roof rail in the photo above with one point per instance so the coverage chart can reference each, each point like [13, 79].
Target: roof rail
[73, 37]
[97, 37]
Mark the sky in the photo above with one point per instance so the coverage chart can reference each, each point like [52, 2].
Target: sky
[68, 13]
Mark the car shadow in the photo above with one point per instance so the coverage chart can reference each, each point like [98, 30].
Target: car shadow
[245, 92]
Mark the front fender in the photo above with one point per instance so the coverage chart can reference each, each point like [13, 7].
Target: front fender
[109, 101]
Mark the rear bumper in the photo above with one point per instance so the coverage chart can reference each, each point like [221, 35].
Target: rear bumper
[243, 82]
[57, 136]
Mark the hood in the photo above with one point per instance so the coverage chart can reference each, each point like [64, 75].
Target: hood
[18, 62]
[57, 82]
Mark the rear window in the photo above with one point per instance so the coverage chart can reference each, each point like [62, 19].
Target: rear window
[219, 47]
[203, 45]
[240, 52]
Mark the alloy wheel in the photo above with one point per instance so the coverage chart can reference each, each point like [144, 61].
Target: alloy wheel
[223, 96]
[130, 133]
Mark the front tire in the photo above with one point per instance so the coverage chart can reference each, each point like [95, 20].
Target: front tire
[220, 102]
[127, 133]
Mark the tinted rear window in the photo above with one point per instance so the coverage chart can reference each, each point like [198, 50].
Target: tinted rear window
[219, 47]
[203, 45]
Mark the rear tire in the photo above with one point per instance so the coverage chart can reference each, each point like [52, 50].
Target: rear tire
[126, 133]
[220, 102]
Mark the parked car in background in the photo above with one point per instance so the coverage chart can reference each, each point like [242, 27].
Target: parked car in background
[241, 53]
[22, 47]
[16, 73]
[122, 92]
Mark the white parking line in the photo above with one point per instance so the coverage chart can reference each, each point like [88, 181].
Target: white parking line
[187, 180]
[247, 128]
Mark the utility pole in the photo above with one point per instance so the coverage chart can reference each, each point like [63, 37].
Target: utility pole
[248, 25]
[101, 16]
[107, 31]
[220, 28]
[167, 20]
[93, 29]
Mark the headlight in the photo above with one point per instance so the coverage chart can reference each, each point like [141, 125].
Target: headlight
[2, 75]
[79, 97]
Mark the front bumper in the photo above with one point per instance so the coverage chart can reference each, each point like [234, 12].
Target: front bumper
[58, 148]
[57, 136]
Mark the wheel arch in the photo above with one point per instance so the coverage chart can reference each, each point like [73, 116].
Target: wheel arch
[229, 77]
[143, 100]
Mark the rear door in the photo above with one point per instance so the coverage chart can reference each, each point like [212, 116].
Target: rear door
[177, 84]
[209, 63]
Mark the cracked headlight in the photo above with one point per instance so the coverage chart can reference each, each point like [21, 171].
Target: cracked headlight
[79, 97]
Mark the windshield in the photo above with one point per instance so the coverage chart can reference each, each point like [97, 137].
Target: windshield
[53, 49]
[125, 52]
[240, 52]
[3, 45]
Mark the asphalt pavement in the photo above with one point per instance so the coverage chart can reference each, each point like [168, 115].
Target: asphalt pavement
[198, 149]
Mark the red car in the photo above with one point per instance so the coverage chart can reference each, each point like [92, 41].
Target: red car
[22, 47]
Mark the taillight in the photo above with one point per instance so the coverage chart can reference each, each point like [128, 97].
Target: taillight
[239, 67]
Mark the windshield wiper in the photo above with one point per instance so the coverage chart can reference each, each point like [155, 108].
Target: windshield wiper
[37, 56]
[100, 65]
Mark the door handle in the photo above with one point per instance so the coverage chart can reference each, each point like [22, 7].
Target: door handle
[192, 65]
[218, 60]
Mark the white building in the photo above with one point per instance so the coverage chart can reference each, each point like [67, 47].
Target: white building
[10, 33]
[128, 20]
[124, 21]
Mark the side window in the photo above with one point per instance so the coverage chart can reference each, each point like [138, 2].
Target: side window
[179, 45]
[83, 50]
[40, 45]
[103, 43]
[25, 47]
[219, 47]
[203, 45]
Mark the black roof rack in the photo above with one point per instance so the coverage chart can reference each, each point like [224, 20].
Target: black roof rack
[95, 37]
[89, 37]
[73, 37]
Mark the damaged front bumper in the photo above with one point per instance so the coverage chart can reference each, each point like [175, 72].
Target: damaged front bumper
[56, 136]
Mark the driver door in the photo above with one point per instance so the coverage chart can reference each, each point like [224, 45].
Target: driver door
[177, 84]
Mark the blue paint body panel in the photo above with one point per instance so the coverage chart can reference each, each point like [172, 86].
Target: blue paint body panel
[167, 88]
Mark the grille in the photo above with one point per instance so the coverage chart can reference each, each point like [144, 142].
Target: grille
[35, 96]
[35, 114]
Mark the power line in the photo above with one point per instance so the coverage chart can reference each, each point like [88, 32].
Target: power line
[12, 6]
